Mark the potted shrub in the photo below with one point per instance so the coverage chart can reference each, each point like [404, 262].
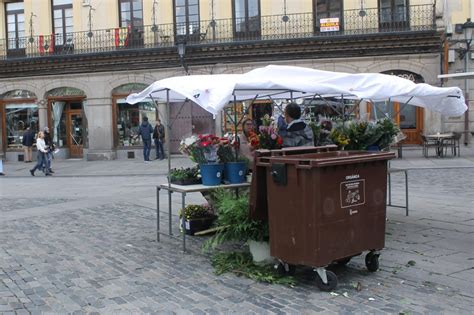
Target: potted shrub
[185, 176]
[196, 218]
[233, 224]
[235, 166]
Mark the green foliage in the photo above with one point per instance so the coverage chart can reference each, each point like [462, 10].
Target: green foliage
[196, 212]
[184, 173]
[362, 134]
[241, 263]
[321, 132]
[388, 130]
[233, 220]
[226, 154]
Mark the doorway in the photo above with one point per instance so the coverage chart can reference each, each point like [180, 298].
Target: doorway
[75, 132]
[68, 125]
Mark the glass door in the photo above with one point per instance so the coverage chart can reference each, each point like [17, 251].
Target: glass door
[75, 133]
[131, 19]
[393, 15]
[246, 14]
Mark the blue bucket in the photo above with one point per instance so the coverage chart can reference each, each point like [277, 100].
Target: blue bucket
[373, 148]
[211, 174]
[235, 172]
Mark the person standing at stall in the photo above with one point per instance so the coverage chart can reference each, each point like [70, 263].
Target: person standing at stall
[245, 146]
[297, 132]
[159, 138]
[42, 151]
[145, 131]
[27, 141]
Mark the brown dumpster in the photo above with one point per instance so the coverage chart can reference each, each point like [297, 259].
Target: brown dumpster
[258, 188]
[326, 207]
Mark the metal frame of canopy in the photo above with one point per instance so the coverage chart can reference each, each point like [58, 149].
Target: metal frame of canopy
[234, 120]
[222, 89]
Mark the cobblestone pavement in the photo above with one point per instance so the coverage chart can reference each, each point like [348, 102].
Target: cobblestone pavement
[87, 244]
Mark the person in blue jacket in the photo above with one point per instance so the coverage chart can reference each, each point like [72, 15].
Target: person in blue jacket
[145, 131]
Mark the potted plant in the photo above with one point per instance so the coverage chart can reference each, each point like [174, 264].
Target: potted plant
[233, 224]
[235, 166]
[196, 218]
[185, 176]
[202, 149]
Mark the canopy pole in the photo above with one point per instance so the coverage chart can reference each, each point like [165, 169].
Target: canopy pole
[168, 118]
[236, 127]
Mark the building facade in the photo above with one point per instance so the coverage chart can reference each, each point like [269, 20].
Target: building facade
[69, 64]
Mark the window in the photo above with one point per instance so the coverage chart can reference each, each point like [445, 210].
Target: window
[393, 13]
[131, 13]
[328, 9]
[15, 25]
[129, 118]
[131, 21]
[246, 15]
[62, 22]
[19, 116]
[186, 14]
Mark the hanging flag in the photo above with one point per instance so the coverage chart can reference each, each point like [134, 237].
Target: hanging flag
[121, 36]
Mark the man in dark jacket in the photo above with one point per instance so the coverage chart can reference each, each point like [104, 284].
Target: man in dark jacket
[159, 137]
[27, 141]
[145, 130]
[297, 132]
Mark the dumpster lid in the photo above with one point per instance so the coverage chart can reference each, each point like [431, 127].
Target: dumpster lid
[324, 159]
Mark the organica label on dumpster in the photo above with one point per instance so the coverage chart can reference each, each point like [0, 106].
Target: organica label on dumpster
[352, 193]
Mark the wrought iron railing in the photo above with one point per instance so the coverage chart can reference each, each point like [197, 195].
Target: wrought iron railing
[273, 27]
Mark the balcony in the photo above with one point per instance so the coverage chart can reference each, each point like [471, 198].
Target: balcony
[353, 24]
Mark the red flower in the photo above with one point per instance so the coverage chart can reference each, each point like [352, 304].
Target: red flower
[279, 140]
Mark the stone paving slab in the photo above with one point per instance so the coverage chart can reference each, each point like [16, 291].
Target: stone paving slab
[95, 252]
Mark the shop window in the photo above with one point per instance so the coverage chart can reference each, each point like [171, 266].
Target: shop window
[18, 118]
[129, 118]
[59, 123]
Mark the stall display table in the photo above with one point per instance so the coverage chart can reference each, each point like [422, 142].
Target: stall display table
[183, 190]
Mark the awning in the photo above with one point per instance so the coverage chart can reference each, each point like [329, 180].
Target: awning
[213, 92]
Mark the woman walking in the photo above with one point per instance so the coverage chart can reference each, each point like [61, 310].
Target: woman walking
[41, 158]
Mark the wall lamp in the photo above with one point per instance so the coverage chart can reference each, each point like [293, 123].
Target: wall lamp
[181, 45]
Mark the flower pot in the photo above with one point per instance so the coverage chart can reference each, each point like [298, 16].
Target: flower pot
[373, 148]
[260, 252]
[235, 172]
[211, 174]
[192, 226]
[187, 181]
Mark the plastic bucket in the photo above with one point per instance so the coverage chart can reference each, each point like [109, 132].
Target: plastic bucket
[235, 172]
[211, 174]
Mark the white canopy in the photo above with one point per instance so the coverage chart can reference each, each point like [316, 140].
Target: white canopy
[213, 92]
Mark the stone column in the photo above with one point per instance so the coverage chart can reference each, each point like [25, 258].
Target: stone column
[98, 112]
[42, 114]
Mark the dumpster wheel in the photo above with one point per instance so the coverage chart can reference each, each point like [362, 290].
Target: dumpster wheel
[372, 261]
[331, 280]
[285, 269]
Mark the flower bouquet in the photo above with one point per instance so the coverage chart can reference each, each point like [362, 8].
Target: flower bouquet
[202, 149]
[268, 137]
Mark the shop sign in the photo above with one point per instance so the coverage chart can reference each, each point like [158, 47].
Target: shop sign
[329, 25]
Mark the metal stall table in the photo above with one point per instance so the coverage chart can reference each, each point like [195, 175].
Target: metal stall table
[183, 190]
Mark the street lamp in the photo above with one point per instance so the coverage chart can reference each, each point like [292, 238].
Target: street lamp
[181, 45]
